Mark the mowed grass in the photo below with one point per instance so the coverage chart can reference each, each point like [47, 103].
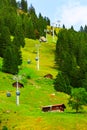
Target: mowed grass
[37, 92]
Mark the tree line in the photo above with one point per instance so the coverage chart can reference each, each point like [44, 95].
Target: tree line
[71, 63]
[16, 23]
[71, 60]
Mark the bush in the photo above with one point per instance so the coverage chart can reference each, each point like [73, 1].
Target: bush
[28, 73]
[78, 98]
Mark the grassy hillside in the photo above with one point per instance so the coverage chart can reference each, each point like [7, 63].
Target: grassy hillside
[46, 53]
[37, 92]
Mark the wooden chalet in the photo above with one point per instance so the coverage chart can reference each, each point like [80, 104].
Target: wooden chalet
[57, 107]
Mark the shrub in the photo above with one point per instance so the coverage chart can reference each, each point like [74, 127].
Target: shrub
[78, 98]
[28, 73]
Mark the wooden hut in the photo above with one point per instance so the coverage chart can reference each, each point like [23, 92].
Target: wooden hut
[57, 107]
[20, 85]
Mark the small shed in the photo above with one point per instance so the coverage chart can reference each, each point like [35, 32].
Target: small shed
[20, 85]
[50, 76]
[57, 107]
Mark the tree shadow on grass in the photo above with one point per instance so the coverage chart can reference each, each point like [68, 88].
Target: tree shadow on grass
[80, 112]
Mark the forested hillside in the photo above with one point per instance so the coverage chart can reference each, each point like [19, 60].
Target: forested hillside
[26, 60]
[71, 53]
[17, 22]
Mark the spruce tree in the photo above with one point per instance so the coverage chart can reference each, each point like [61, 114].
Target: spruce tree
[19, 36]
[9, 61]
[41, 26]
[34, 18]
[4, 39]
[81, 29]
[85, 28]
[11, 50]
[24, 5]
[12, 57]
[17, 52]
[13, 3]
[28, 27]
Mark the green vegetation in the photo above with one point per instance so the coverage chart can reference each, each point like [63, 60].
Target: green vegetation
[78, 98]
[71, 61]
[20, 30]
[19, 22]
[37, 92]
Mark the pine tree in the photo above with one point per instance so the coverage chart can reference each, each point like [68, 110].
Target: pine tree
[9, 61]
[11, 50]
[13, 3]
[28, 27]
[72, 27]
[81, 29]
[1, 23]
[4, 39]
[19, 36]
[8, 52]
[11, 20]
[12, 57]
[64, 26]
[85, 28]
[41, 26]
[24, 5]
[33, 16]
[17, 52]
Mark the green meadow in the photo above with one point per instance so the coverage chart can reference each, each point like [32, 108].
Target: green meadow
[37, 92]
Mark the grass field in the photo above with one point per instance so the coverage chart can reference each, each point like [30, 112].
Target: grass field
[37, 92]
